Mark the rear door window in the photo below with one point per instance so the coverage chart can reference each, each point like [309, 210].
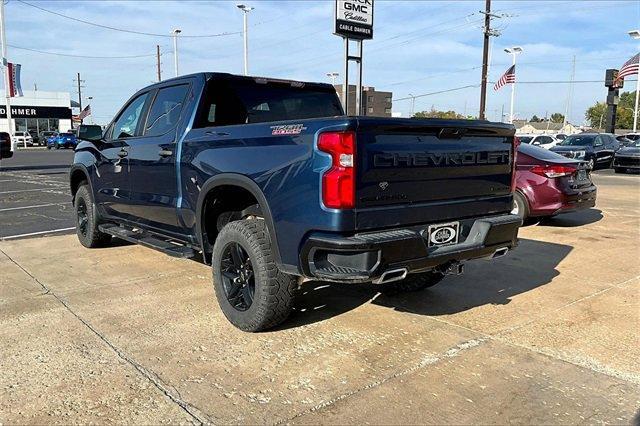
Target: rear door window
[166, 109]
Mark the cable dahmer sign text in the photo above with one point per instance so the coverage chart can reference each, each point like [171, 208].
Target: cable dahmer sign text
[354, 19]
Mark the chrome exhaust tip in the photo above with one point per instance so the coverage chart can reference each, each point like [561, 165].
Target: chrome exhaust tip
[392, 275]
[500, 252]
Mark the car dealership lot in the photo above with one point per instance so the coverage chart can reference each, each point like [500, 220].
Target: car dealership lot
[548, 334]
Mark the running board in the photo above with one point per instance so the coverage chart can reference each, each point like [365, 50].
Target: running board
[148, 240]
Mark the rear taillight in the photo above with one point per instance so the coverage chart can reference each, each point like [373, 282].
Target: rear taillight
[516, 143]
[338, 183]
[553, 171]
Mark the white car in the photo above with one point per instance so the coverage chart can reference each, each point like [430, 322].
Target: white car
[544, 141]
[23, 139]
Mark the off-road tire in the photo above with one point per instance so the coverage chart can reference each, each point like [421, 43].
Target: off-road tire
[91, 237]
[413, 283]
[274, 290]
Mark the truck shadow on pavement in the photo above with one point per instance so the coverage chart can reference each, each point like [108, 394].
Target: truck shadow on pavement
[531, 265]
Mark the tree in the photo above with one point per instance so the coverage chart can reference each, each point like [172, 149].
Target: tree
[535, 119]
[434, 113]
[556, 117]
[596, 114]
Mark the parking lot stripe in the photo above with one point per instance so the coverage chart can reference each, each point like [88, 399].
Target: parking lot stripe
[33, 207]
[12, 237]
[26, 190]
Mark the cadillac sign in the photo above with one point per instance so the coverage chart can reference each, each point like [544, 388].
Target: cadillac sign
[354, 19]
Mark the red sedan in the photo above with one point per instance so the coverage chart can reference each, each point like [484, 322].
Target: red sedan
[548, 184]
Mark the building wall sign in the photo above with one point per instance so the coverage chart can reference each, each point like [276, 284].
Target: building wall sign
[354, 19]
[36, 112]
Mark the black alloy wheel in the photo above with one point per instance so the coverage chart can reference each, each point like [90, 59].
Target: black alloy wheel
[238, 279]
[82, 217]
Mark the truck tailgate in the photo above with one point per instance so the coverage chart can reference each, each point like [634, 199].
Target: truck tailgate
[446, 167]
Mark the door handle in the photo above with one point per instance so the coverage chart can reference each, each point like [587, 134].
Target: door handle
[165, 153]
[123, 153]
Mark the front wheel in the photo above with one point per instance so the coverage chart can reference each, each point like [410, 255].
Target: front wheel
[252, 292]
[87, 220]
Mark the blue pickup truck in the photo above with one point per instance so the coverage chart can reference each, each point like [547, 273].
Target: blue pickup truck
[269, 182]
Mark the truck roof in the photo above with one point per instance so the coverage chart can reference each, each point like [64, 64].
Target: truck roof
[259, 79]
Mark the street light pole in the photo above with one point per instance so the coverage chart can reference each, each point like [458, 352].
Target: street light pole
[245, 10]
[513, 52]
[333, 76]
[175, 49]
[635, 34]
[413, 104]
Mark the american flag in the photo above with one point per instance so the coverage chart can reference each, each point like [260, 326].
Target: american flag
[629, 68]
[85, 113]
[509, 76]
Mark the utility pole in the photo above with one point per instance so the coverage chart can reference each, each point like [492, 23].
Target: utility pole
[158, 62]
[175, 49]
[80, 86]
[5, 67]
[245, 10]
[485, 59]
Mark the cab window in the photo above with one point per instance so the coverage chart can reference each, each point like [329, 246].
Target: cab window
[166, 109]
[127, 123]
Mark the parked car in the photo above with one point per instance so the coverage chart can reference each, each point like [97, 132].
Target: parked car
[62, 140]
[596, 149]
[23, 139]
[6, 146]
[627, 158]
[632, 136]
[548, 184]
[45, 135]
[545, 141]
[89, 131]
[273, 184]
[559, 136]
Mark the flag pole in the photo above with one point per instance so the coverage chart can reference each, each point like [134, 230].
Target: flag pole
[5, 69]
[635, 111]
[513, 90]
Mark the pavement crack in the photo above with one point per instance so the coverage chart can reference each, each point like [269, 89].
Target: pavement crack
[168, 390]
[426, 361]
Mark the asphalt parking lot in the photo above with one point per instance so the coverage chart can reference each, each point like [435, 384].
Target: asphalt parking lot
[547, 334]
[34, 193]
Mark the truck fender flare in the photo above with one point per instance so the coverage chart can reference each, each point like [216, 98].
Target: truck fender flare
[74, 168]
[234, 179]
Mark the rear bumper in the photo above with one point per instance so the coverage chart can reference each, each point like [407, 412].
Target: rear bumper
[575, 200]
[366, 256]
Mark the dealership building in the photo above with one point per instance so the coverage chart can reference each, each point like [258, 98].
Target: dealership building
[38, 111]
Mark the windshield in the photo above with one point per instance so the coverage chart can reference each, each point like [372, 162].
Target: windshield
[578, 140]
[19, 133]
[525, 139]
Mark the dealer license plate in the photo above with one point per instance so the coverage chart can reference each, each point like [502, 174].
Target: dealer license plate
[582, 175]
[443, 234]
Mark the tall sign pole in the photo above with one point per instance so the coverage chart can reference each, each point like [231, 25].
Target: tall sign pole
[353, 21]
[5, 69]
[158, 62]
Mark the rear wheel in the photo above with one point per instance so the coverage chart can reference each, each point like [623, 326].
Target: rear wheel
[87, 220]
[252, 292]
[413, 282]
[520, 206]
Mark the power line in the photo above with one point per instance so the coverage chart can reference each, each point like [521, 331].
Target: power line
[107, 27]
[79, 56]
[436, 93]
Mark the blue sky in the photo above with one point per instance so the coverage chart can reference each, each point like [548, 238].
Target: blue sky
[418, 47]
